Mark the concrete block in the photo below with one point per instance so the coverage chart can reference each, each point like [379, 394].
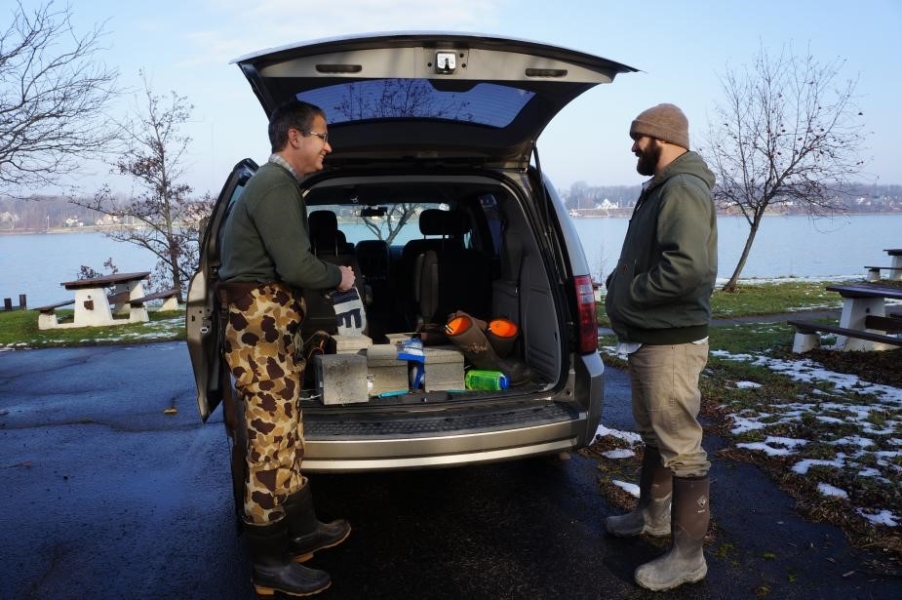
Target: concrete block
[351, 344]
[443, 369]
[341, 378]
[803, 342]
[385, 373]
[396, 339]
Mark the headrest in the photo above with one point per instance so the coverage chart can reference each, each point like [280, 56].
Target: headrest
[321, 222]
[444, 222]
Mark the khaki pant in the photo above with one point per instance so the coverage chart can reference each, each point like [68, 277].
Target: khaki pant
[666, 402]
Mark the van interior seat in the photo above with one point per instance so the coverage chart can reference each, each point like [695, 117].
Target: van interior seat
[440, 230]
[374, 259]
[330, 245]
[325, 236]
[447, 276]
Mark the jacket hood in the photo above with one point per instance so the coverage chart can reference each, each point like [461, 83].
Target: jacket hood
[689, 163]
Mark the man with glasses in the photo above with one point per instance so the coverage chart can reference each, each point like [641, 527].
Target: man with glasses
[266, 263]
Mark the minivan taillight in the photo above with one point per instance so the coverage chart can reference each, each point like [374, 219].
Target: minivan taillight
[588, 318]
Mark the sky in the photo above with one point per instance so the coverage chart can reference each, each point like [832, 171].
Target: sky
[682, 50]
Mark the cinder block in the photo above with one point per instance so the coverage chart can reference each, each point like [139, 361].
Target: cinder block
[385, 372]
[396, 339]
[351, 344]
[444, 368]
[341, 378]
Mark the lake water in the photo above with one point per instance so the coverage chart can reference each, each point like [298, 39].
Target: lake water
[792, 246]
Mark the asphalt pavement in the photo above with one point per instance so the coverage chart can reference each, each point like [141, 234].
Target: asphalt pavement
[108, 496]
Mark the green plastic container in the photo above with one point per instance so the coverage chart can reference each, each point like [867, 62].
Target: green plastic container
[486, 380]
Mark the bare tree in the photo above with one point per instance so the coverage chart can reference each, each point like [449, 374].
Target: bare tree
[53, 98]
[387, 227]
[164, 218]
[787, 134]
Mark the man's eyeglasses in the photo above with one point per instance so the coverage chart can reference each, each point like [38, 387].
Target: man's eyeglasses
[323, 136]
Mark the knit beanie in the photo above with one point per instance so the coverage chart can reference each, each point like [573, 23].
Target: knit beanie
[665, 122]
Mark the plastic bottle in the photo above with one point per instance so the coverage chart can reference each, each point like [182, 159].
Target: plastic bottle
[486, 380]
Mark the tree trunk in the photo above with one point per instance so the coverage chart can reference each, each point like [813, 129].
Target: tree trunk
[730, 286]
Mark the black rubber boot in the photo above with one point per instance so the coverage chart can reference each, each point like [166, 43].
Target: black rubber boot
[273, 569]
[685, 563]
[502, 334]
[306, 533]
[652, 513]
[463, 333]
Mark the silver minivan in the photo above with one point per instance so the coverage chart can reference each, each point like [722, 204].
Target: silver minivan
[435, 190]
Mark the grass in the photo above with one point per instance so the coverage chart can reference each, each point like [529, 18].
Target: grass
[19, 329]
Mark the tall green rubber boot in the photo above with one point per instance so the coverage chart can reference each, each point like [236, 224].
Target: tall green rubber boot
[652, 513]
[685, 562]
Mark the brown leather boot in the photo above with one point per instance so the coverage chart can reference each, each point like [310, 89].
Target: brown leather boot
[685, 563]
[273, 569]
[307, 534]
[652, 513]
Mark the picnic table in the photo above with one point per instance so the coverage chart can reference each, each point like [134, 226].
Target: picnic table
[894, 271]
[863, 324]
[98, 300]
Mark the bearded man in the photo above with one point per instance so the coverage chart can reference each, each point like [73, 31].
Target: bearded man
[658, 303]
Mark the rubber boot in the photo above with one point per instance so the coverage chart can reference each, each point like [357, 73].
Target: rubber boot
[502, 334]
[464, 334]
[652, 513]
[306, 533]
[685, 562]
[273, 569]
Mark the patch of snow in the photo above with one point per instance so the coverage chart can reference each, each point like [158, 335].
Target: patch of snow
[828, 490]
[744, 385]
[620, 453]
[629, 488]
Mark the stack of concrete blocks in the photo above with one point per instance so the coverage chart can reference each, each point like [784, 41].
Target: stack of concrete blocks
[385, 371]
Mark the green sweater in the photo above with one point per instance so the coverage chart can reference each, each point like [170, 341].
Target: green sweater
[265, 236]
[660, 292]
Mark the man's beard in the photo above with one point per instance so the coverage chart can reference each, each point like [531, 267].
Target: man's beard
[648, 159]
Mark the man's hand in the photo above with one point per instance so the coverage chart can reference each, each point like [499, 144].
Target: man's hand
[347, 278]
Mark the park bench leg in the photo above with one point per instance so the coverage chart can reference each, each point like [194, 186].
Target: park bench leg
[805, 341]
[854, 311]
[47, 321]
[171, 303]
[138, 314]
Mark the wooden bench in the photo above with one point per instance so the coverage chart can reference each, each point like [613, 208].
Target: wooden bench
[863, 324]
[169, 297]
[812, 328]
[47, 318]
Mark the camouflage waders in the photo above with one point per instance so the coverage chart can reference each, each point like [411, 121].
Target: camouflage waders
[262, 338]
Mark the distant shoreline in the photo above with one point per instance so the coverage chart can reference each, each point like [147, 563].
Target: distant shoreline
[64, 230]
[609, 213]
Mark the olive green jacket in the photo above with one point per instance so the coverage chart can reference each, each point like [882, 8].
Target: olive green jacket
[660, 292]
[265, 237]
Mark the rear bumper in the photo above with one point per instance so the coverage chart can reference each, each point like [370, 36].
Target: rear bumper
[323, 455]
[447, 438]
